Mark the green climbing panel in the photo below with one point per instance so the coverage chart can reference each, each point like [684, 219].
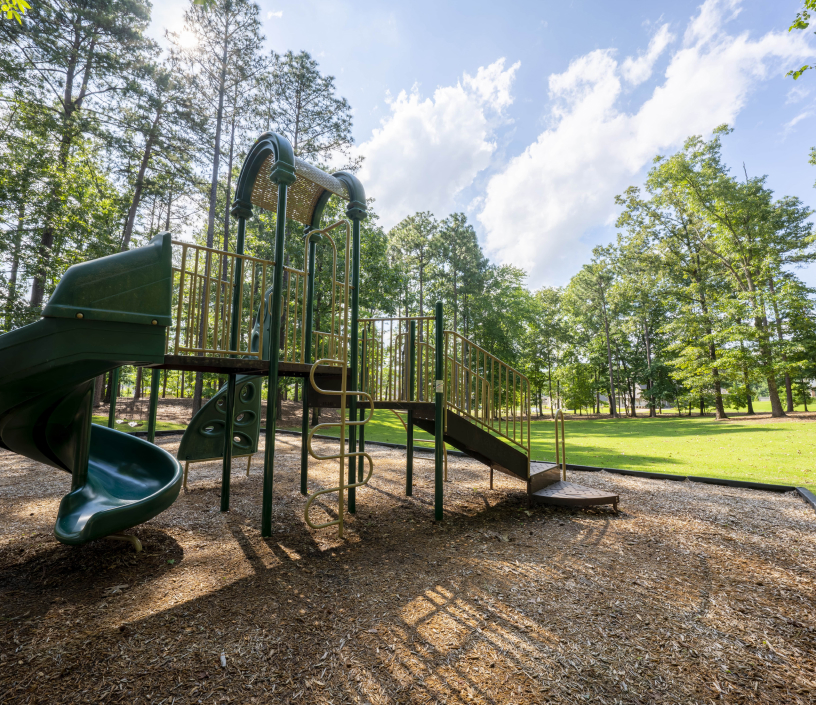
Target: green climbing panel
[204, 437]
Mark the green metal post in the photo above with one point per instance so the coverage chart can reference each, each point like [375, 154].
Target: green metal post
[439, 415]
[229, 431]
[283, 179]
[114, 393]
[307, 352]
[155, 376]
[229, 410]
[355, 310]
[409, 443]
[82, 450]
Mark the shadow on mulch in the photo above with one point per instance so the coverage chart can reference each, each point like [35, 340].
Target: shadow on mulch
[41, 572]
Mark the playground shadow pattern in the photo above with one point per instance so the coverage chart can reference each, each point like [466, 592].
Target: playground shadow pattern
[692, 594]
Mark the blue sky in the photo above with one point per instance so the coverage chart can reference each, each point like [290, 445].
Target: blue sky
[531, 116]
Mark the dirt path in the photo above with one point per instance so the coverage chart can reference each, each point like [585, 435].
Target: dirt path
[693, 594]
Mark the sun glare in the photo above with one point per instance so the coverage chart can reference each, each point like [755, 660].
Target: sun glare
[187, 39]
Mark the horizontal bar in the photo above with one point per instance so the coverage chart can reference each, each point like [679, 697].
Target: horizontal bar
[222, 253]
[397, 318]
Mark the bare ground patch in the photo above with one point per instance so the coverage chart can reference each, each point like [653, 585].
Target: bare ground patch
[692, 594]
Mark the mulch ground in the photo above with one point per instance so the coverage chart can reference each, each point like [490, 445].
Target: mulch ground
[692, 594]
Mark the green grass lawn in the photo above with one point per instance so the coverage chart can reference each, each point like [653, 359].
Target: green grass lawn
[385, 427]
[781, 452]
[776, 452]
[140, 425]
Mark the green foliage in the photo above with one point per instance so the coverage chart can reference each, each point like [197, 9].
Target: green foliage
[802, 21]
[696, 302]
[14, 9]
[295, 100]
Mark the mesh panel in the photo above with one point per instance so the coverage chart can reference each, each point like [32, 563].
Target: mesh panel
[303, 195]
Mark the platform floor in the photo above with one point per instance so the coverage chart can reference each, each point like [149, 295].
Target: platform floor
[570, 494]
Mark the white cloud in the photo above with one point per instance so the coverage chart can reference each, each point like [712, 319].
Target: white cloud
[636, 71]
[277, 15]
[797, 94]
[801, 116]
[563, 184]
[429, 149]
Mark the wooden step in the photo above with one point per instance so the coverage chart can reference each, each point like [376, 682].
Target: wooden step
[568, 494]
[542, 475]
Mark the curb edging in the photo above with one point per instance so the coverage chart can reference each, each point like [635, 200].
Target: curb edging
[808, 496]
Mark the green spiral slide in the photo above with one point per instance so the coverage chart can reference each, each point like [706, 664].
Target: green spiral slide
[104, 313]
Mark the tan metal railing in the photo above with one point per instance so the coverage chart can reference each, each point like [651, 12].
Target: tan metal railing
[487, 391]
[385, 354]
[203, 289]
[560, 457]
[294, 315]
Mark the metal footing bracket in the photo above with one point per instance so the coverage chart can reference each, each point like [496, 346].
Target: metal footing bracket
[129, 538]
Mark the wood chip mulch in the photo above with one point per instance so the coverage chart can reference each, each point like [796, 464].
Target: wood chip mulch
[692, 594]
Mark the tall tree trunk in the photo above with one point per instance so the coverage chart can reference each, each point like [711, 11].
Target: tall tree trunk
[99, 390]
[649, 368]
[748, 392]
[778, 320]
[219, 119]
[549, 384]
[712, 355]
[15, 267]
[137, 392]
[227, 213]
[767, 356]
[47, 237]
[612, 406]
[137, 191]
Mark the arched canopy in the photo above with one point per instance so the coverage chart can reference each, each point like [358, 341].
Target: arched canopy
[272, 159]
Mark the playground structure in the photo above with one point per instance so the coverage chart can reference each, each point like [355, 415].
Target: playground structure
[180, 306]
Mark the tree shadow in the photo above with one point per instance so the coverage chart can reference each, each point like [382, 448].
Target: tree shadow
[37, 572]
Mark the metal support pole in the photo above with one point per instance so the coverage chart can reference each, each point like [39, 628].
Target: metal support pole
[114, 393]
[274, 357]
[307, 358]
[82, 450]
[229, 431]
[439, 416]
[237, 284]
[155, 376]
[409, 442]
[363, 384]
[354, 476]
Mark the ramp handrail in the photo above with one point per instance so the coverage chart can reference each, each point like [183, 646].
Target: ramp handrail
[486, 391]
[560, 459]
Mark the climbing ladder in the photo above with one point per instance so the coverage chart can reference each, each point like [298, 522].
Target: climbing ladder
[339, 342]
